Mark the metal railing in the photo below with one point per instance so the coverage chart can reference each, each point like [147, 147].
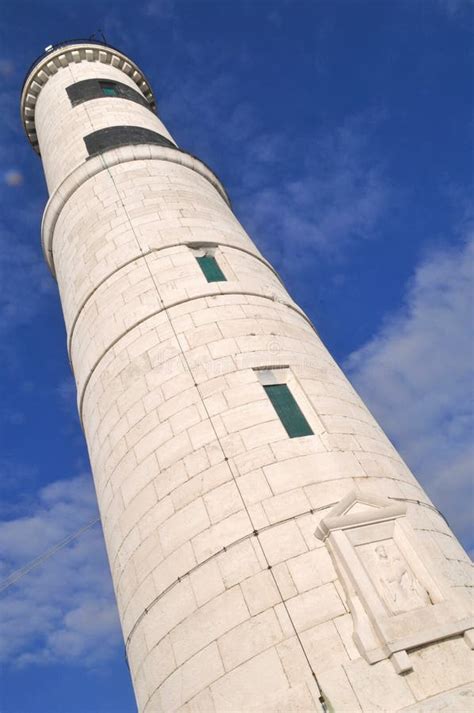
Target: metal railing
[65, 43]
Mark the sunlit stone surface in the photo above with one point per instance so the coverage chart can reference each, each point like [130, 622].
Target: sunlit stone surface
[253, 571]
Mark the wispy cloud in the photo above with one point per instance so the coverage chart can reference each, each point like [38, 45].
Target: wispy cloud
[417, 375]
[319, 192]
[23, 275]
[160, 9]
[334, 196]
[64, 610]
[454, 8]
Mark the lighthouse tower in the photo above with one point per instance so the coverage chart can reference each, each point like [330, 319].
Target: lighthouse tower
[270, 551]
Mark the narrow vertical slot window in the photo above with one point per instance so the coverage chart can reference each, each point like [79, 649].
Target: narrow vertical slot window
[212, 271]
[288, 410]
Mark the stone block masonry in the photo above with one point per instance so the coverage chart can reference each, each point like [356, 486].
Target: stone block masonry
[233, 580]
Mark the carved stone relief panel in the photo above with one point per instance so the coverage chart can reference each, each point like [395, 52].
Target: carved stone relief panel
[397, 599]
[393, 577]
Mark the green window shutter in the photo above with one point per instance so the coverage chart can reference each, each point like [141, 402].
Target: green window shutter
[288, 410]
[212, 271]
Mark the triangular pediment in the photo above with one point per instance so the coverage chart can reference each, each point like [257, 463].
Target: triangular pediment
[358, 508]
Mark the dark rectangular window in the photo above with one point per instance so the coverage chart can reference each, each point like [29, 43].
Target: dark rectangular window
[212, 271]
[114, 136]
[288, 410]
[88, 89]
[108, 90]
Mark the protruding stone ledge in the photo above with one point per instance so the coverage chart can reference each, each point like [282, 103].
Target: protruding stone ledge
[221, 288]
[164, 309]
[73, 53]
[230, 544]
[104, 161]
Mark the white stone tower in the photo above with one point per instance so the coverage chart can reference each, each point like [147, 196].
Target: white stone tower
[270, 550]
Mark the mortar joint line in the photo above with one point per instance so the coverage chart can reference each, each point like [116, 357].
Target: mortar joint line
[210, 558]
[230, 461]
[162, 310]
[159, 249]
[218, 440]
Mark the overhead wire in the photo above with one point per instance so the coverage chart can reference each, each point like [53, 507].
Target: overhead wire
[18, 574]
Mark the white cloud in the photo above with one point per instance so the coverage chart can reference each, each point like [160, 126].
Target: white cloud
[417, 375]
[64, 610]
[295, 191]
[335, 195]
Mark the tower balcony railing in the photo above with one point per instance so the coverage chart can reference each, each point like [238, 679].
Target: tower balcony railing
[65, 43]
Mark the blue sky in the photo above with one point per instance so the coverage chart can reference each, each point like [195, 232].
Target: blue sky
[343, 133]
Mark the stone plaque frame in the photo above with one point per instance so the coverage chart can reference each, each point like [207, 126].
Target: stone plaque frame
[397, 600]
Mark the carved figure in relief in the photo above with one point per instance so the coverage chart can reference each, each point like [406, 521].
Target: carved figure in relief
[403, 591]
[397, 584]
